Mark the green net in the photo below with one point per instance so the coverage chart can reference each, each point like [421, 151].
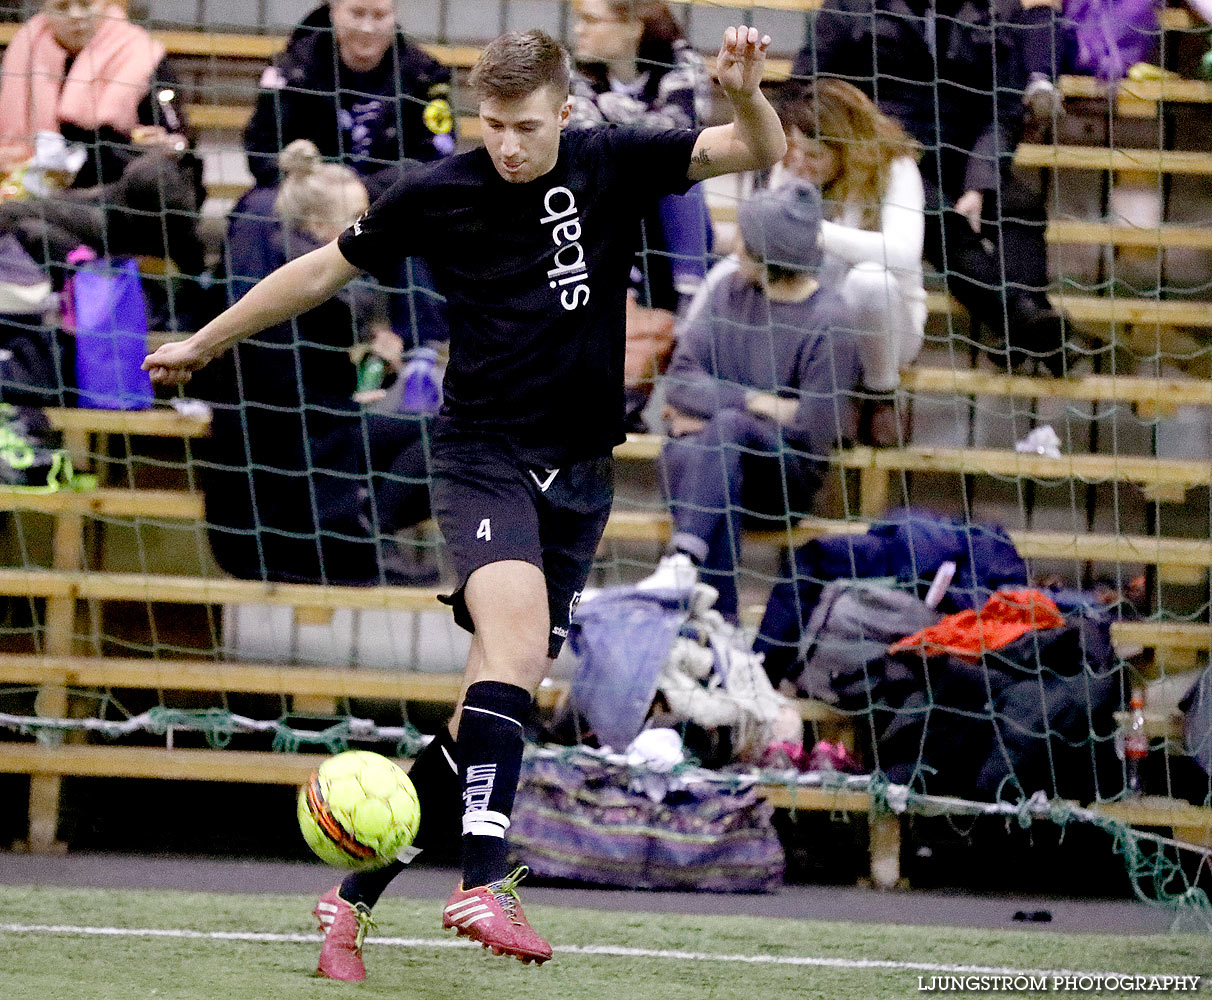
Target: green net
[276, 522]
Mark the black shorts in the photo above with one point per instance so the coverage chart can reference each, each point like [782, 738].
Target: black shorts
[492, 507]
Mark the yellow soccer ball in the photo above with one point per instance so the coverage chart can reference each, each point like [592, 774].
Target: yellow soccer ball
[359, 810]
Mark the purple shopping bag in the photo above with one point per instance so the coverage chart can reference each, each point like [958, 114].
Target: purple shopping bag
[111, 336]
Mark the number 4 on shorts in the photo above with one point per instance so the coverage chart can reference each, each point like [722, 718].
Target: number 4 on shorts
[485, 530]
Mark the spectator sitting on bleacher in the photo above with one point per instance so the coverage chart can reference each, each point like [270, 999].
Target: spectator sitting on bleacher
[634, 67]
[759, 393]
[353, 84]
[955, 83]
[301, 484]
[866, 168]
[81, 69]
[150, 211]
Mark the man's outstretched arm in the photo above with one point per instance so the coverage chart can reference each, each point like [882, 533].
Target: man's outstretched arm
[754, 140]
[292, 289]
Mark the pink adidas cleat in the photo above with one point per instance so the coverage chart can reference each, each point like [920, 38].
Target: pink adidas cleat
[344, 926]
[492, 914]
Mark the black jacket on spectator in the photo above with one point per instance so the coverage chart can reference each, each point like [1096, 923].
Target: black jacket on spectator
[961, 88]
[110, 152]
[299, 99]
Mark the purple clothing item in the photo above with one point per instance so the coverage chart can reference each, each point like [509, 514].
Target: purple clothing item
[742, 341]
[1112, 35]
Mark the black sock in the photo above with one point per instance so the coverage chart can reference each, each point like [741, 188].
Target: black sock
[490, 758]
[435, 776]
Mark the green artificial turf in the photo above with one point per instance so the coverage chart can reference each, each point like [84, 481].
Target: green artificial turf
[45, 966]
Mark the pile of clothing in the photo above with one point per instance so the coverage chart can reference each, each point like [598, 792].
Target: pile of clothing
[655, 657]
[1012, 692]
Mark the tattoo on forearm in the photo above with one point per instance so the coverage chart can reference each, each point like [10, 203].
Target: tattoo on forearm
[701, 158]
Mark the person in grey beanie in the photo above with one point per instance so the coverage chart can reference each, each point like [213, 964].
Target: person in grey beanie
[759, 392]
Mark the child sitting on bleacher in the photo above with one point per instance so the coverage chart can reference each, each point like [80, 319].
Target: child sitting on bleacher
[301, 484]
[759, 393]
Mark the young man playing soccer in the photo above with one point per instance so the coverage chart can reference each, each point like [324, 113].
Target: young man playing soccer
[530, 239]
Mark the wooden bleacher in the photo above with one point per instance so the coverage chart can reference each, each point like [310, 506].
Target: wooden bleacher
[66, 582]
[57, 672]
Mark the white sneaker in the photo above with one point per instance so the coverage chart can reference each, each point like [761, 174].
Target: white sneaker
[673, 572]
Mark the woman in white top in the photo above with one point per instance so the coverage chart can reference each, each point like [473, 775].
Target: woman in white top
[866, 167]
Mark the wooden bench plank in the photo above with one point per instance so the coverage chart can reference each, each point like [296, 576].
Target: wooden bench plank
[236, 116]
[816, 799]
[1067, 232]
[161, 421]
[1077, 232]
[199, 590]
[1097, 309]
[243, 678]
[1090, 388]
[1145, 549]
[1192, 636]
[1136, 312]
[1156, 161]
[112, 502]
[657, 527]
[1152, 810]
[1105, 309]
[241, 766]
[268, 768]
[276, 679]
[1168, 726]
[207, 590]
[1177, 91]
[219, 116]
[252, 767]
[1140, 469]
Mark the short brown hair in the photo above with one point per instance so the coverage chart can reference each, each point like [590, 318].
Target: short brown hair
[517, 64]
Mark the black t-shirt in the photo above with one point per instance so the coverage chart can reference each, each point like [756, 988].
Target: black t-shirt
[535, 277]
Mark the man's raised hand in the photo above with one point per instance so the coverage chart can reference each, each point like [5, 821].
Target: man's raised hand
[741, 61]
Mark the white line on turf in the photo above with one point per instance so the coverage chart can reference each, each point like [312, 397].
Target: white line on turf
[69, 930]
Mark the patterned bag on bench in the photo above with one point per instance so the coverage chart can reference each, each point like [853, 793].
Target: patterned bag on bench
[578, 818]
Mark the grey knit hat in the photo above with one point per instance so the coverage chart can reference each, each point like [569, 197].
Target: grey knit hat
[782, 225]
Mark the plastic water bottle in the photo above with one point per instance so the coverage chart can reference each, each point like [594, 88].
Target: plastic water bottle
[370, 373]
[1136, 742]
